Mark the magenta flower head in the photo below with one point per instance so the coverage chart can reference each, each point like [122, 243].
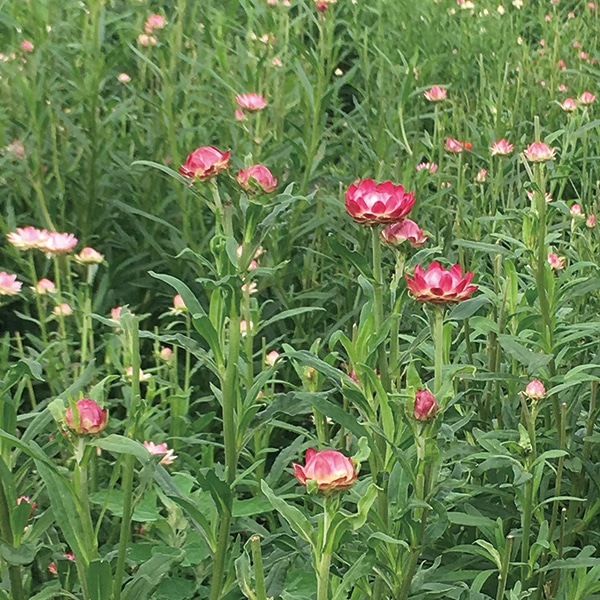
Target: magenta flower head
[329, 470]
[539, 152]
[587, 98]
[569, 105]
[405, 230]
[251, 101]
[371, 203]
[439, 285]
[556, 262]
[204, 163]
[426, 406]
[501, 147]
[257, 177]
[436, 94]
[91, 419]
[535, 390]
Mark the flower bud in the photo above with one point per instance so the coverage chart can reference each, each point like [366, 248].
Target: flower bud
[535, 390]
[91, 418]
[330, 470]
[426, 406]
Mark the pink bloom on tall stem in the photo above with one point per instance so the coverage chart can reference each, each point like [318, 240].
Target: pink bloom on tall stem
[439, 285]
[556, 262]
[58, 243]
[154, 22]
[157, 449]
[89, 256]
[501, 147]
[425, 166]
[456, 146]
[481, 176]
[370, 203]
[27, 46]
[576, 211]
[257, 177]
[25, 238]
[329, 469]
[591, 221]
[405, 230]
[44, 286]
[205, 162]
[436, 94]
[569, 105]
[9, 286]
[587, 98]
[539, 152]
[426, 406]
[62, 310]
[146, 40]
[251, 101]
[535, 390]
[92, 419]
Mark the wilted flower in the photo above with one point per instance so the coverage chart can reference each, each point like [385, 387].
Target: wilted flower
[569, 105]
[44, 286]
[556, 262]
[329, 469]
[425, 166]
[62, 310]
[439, 285]
[405, 230]
[257, 177]
[481, 176]
[587, 98]
[58, 243]
[28, 237]
[205, 162]
[169, 455]
[89, 256]
[370, 203]
[456, 146]
[426, 406]
[154, 22]
[501, 147]
[539, 152]
[9, 286]
[436, 94]
[535, 390]
[91, 418]
[251, 101]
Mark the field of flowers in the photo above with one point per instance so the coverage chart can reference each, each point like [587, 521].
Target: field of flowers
[300, 299]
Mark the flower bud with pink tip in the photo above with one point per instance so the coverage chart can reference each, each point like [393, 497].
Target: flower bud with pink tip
[587, 98]
[406, 230]
[204, 163]
[90, 419]
[426, 406]
[257, 178]
[330, 470]
[535, 390]
[539, 152]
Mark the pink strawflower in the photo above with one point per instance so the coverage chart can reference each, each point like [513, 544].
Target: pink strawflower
[89, 256]
[591, 221]
[44, 286]
[561, 64]
[157, 449]
[251, 101]
[115, 313]
[257, 177]
[587, 98]
[539, 152]
[436, 94]
[481, 176]
[329, 469]
[370, 203]
[425, 166]
[141, 375]
[405, 230]
[62, 310]
[240, 115]
[271, 358]
[562, 87]
[439, 285]
[146, 40]
[556, 262]
[456, 146]
[58, 243]
[16, 149]
[535, 390]
[166, 354]
[9, 286]
[426, 406]
[547, 196]
[576, 211]
[92, 419]
[323, 5]
[52, 566]
[154, 22]
[569, 105]
[28, 237]
[204, 163]
[501, 147]
[123, 78]
[178, 305]
[27, 46]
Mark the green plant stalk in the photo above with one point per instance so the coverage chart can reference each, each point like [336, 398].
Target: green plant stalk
[259, 575]
[61, 319]
[128, 465]
[438, 344]
[38, 300]
[382, 362]
[324, 554]
[526, 525]
[187, 371]
[80, 479]
[14, 571]
[562, 437]
[87, 335]
[503, 576]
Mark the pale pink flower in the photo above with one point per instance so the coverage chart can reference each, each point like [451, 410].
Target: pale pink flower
[454, 145]
[570, 16]
[481, 176]
[62, 310]
[27, 46]
[146, 40]
[425, 166]
[587, 98]
[158, 449]
[166, 353]
[501, 147]
[115, 313]
[547, 196]
[569, 105]
[89, 256]
[178, 305]
[252, 102]
[9, 286]
[44, 286]
[562, 87]
[535, 390]
[436, 94]
[271, 358]
[405, 230]
[556, 262]
[561, 65]
[240, 115]
[576, 211]
[58, 243]
[16, 149]
[250, 288]
[276, 62]
[539, 152]
[28, 237]
[583, 55]
[141, 375]
[154, 22]
[591, 221]
[124, 78]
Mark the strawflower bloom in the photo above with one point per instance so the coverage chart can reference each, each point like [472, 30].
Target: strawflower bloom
[547, 196]
[501, 147]
[27, 46]
[52, 566]
[576, 211]
[539, 152]
[205, 162]
[257, 177]
[89, 256]
[456, 146]
[16, 149]
[405, 230]
[436, 94]
[481, 176]
[166, 354]
[169, 455]
[439, 285]
[323, 5]
[271, 358]
[62, 310]
[9, 286]
[154, 22]
[370, 203]
[115, 313]
[425, 166]
[251, 101]
[569, 105]
[535, 390]
[92, 418]
[426, 406]
[556, 262]
[58, 243]
[123, 78]
[44, 286]
[146, 40]
[240, 115]
[587, 98]
[25, 238]
[141, 375]
[178, 304]
[329, 469]
[591, 221]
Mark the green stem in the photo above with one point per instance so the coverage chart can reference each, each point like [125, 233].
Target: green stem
[38, 300]
[323, 559]
[503, 576]
[259, 575]
[14, 571]
[378, 306]
[527, 509]
[438, 342]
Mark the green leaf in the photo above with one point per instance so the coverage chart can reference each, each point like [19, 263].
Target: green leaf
[297, 521]
[532, 361]
[119, 444]
[356, 259]
[251, 507]
[99, 580]
[364, 505]
[24, 554]
[219, 491]
[467, 308]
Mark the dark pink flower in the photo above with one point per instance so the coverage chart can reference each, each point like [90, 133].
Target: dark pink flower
[539, 152]
[257, 177]
[205, 162]
[439, 285]
[92, 419]
[405, 230]
[330, 469]
[426, 406]
[369, 203]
